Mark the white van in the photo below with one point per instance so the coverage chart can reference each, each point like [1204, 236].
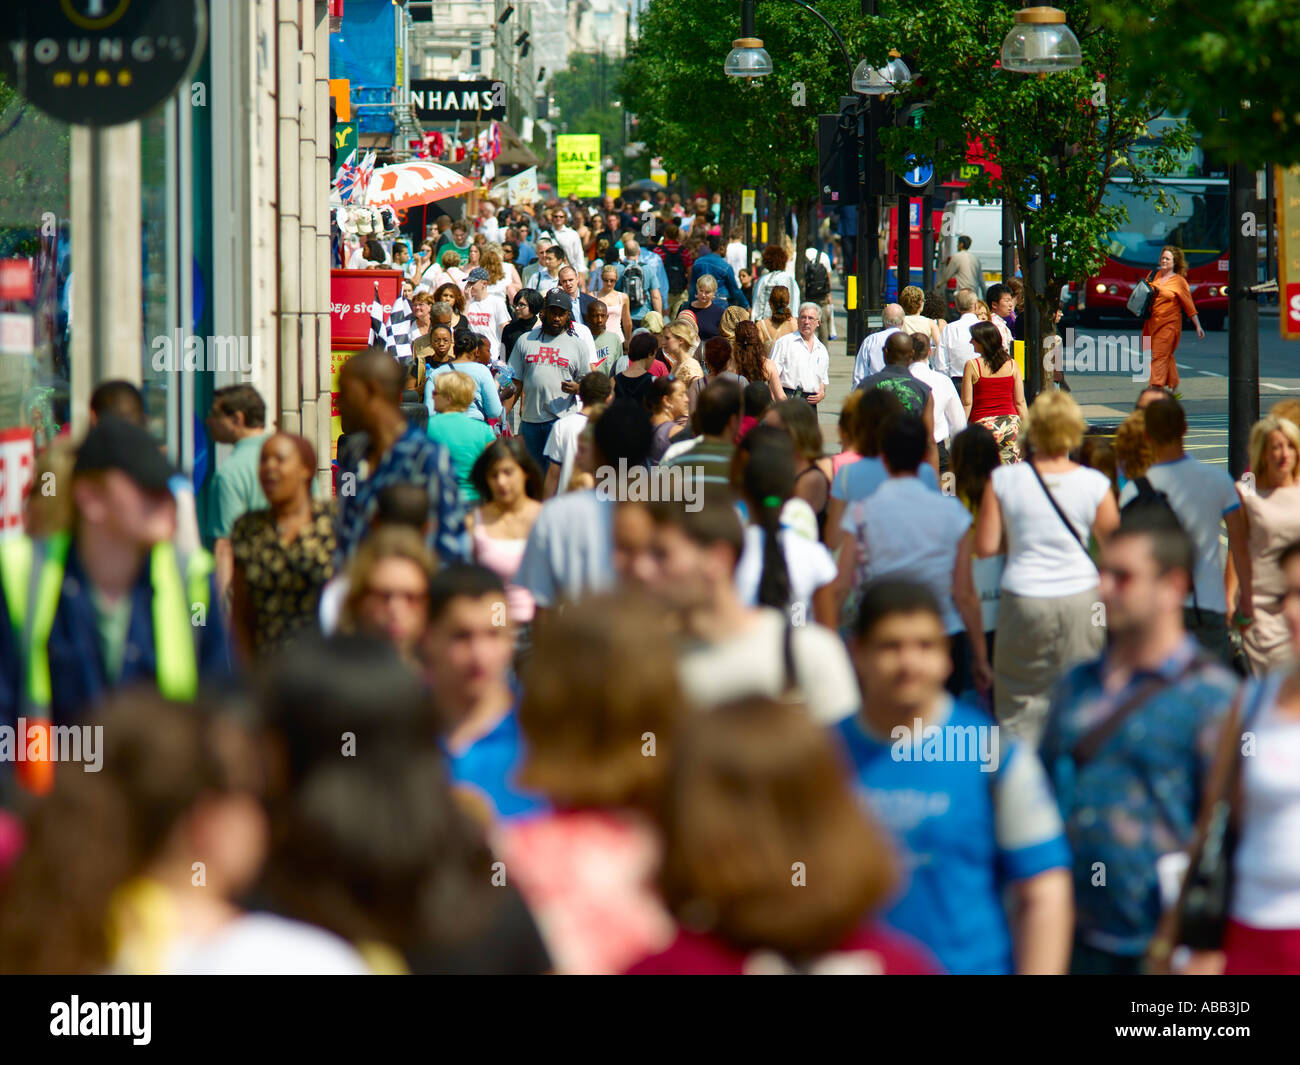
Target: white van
[982, 222]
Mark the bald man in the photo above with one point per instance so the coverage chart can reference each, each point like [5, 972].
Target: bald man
[871, 355]
[387, 451]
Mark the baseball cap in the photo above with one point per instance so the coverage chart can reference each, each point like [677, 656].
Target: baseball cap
[115, 444]
[557, 297]
[477, 274]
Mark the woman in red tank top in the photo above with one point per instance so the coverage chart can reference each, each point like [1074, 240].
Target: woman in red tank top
[993, 392]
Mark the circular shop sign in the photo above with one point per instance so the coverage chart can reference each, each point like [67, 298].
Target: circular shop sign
[100, 62]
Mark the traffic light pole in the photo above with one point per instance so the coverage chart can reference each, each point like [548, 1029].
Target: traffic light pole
[1243, 319]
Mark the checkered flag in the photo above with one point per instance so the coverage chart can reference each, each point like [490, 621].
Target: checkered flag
[394, 335]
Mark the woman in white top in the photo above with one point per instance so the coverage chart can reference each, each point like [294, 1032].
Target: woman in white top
[774, 273]
[779, 567]
[1047, 617]
[912, 299]
[620, 311]
[503, 278]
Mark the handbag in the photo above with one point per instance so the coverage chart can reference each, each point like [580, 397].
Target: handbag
[1198, 918]
[1141, 298]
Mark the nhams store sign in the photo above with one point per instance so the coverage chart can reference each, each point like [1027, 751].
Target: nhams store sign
[436, 101]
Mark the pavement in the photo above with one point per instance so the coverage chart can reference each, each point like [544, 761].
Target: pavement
[1107, 395]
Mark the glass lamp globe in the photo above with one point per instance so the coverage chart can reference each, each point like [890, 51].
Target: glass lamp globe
[1040, 43]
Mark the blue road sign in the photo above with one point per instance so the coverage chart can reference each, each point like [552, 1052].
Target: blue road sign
[918, 175]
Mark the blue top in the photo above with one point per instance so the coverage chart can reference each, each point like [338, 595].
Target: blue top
[729, 291]
[487, 400]
[857, 480]
[412, 458]
[1139, 797]
[655, 277]
[970, 813]
[488, 765]
[78, 676]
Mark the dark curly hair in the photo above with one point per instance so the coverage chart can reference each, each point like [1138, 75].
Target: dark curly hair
[747, 353]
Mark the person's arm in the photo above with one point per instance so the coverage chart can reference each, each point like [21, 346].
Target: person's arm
[489, 398]
[968, 389]
[1231, 585]
[627, 321]
[223, 556]
[823, 381]
[988, 526]
[848, 564]
[1021, 409]
[1043, 923]
[826, 606]
[1239, 548]
[552, 480]
[774, 380]
[955, 413]
[1189, 305]
[931, 444]
[242, 622]
[967, 601]
[1106, 520]
[834, 535]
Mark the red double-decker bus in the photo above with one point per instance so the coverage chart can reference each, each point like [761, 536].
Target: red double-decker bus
[1194, 217]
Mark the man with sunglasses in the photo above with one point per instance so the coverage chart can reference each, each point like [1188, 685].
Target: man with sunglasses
[1130, 738]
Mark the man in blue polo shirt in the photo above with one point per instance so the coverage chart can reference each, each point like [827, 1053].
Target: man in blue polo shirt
[971, 811]
[469, 647]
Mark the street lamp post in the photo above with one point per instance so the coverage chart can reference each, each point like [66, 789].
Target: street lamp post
[1039, 43]
[749, 59]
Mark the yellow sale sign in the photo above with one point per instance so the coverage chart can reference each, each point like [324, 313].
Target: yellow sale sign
[577, 165]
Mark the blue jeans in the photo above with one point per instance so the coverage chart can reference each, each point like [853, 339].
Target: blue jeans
[536, 434]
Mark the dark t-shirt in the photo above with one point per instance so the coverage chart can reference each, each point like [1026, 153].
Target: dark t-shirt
[506, 943]
[707, 320]
[632, 389]
[898, 380]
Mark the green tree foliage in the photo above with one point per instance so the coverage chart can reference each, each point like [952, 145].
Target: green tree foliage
[734, 133]
[587, 100]
[1229, 58]
[1060, 136]
[34, 153]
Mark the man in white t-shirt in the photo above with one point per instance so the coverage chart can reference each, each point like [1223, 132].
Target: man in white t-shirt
[949, 414]
[732, 650]
[1204, 499]
[737, 254]
[487, 314]
[955, 348]
[562, 446]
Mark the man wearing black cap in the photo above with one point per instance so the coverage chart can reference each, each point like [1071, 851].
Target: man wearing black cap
[110, 603]
[548, 363]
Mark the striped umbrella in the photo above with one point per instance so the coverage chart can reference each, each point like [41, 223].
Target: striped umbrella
[409, 184]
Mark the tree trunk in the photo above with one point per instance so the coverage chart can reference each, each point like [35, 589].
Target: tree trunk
[806, 213]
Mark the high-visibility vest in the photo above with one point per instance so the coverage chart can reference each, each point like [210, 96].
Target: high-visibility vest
[25, 583]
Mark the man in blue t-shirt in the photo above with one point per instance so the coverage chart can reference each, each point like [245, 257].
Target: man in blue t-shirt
[470, 645]
[971, 812]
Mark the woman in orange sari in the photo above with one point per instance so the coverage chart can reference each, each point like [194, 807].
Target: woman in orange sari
[1164, 327]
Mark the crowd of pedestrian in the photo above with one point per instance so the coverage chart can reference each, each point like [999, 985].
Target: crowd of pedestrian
[590, 658]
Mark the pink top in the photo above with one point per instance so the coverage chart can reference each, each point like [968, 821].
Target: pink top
[588, 879]
[502, 557]
[843, 459]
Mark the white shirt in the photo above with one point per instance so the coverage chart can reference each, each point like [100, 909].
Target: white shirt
[736, 254]
[543, 282]
[262, 944]
[1202, 496]
[487, 317]
[1044, 561]
[569, 240]
[905, 529]
[949, 414]
[871, 355]
[808, 562]
[752, 662]
[955, 348]
[1004, 331]
[562, 445]
[801, 366]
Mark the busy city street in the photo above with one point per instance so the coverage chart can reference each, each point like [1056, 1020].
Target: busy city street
[616, 488]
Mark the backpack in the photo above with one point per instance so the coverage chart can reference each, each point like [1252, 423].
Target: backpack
[633, 284]
[816, 280]
[1150, 500]
[675, 268]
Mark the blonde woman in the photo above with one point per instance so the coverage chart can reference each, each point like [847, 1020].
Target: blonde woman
[388, 589]
[912, 299]
[620, 310]
[503, 279]
[731, 318]
[1046, 614]
[680, 341]
[1270, 500]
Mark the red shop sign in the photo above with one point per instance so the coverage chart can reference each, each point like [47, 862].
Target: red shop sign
[351, 294]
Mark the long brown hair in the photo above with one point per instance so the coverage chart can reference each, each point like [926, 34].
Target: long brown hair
[757, 794]
[986, 335]
[778, 302]
[747, 352]
[1180, 260]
